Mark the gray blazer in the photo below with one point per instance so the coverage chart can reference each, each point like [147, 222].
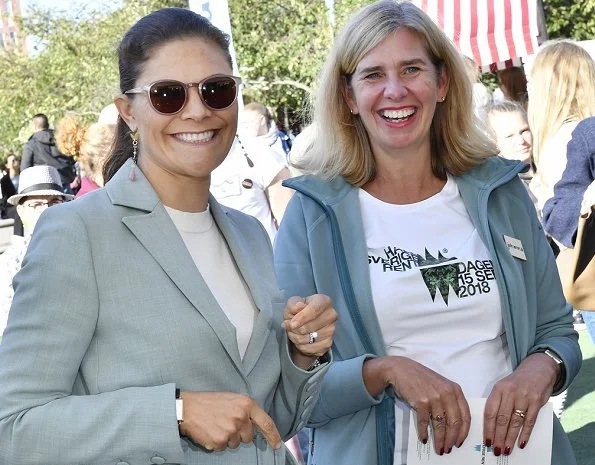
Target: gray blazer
[110, 315]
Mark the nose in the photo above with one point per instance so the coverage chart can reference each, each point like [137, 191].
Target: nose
[394, 88]
[195, 107]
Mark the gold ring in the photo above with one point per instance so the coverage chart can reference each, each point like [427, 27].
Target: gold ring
[520, 413]
[439, 418]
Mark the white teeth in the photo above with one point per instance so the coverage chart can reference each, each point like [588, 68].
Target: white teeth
[195, 136]
[398, 114]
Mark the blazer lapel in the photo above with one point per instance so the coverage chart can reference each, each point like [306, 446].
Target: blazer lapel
[157, 233]
[253, 269]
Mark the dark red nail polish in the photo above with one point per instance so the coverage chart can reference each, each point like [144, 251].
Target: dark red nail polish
[460, 444]
[442, 451]
[488, 442]
[507, 450]
[497, 451]
[523, 444]
[425, 441]
[449, 450]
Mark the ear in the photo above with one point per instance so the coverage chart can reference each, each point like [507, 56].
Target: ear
[124, 106]
[20, 210]
[443, 82]
[347, 92]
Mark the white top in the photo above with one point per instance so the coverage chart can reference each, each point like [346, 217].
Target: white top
[10, 265]
[435, 294]
[551, 164]
[237, 185]
[216, 265]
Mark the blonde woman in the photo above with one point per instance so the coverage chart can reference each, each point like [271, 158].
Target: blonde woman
[561, 93]
[99, 139]
[403, 222]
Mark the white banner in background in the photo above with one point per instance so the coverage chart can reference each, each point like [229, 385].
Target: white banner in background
[216, 11]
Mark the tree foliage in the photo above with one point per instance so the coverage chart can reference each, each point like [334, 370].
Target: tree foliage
[280, 46]
[571, 19]
[73, 70]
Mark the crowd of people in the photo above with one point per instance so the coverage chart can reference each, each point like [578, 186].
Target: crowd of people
[206, 288]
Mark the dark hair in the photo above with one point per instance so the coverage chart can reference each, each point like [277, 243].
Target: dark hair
[513, 84]
[40, 122]
[154, 30]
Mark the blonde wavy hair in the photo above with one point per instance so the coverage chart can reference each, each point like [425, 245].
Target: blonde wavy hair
[562, 89]
[95, 149]
[343, 147]
[70, 134]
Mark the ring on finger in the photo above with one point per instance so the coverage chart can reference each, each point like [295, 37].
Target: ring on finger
[312, 337]
[439, 418]
[520, 413]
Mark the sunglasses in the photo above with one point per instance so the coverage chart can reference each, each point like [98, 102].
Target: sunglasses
[169, 97]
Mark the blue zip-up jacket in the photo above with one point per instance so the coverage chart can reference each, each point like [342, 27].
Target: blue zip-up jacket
[321, 248]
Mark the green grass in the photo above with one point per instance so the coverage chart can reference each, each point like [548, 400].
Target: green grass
[578, 418]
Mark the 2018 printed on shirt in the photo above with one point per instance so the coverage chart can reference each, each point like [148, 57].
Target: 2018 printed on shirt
[467, 278]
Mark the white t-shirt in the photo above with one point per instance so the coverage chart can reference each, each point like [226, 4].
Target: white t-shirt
[238, 185]
[435, 294]
[216, 265]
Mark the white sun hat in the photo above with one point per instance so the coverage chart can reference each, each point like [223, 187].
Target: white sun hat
[39, 180]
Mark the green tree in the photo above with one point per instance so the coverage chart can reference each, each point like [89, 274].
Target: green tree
[280, 47]
[73, 70]
[572, 19]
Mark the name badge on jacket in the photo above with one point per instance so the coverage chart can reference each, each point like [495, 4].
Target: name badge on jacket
[515, 247]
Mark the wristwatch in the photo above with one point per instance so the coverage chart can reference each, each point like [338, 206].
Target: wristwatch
[179, 407]
[556, 358]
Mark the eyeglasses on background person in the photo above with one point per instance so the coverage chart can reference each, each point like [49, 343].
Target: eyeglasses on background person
[169, 97]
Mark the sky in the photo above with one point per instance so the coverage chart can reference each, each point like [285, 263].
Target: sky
[66, 4]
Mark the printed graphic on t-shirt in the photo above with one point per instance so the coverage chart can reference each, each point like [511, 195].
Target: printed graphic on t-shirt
[440, 274]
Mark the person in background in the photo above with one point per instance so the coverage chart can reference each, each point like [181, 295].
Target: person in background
[405, 201]
[8, 211]
[141, 329]
[511, 133]
[40, 188]
[481, 95]
[561, 212]
[41, 149]
[257, 122]
[561, 93]
[512, 86]
[250, 180]
[13, 167]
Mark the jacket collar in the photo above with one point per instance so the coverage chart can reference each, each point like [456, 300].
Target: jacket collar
[153, 227]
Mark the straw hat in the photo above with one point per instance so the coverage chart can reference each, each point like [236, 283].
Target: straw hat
[39, 180]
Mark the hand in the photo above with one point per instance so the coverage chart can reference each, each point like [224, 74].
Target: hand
[217, 420]
[433, 397]
[305, 316]
[525, 391]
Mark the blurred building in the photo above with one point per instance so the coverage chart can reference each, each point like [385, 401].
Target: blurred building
[11, 37]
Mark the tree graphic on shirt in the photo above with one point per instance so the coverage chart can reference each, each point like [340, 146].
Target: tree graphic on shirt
[440, 277]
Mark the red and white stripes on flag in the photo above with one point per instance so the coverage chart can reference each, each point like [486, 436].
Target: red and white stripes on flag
[492, 32]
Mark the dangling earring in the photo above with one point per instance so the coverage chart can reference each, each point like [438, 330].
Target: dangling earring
[134, 137]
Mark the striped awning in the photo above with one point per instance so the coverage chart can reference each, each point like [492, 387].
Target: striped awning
[495, 33]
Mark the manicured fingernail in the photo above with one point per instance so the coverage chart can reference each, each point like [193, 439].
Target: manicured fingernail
[425, 441]
[497, 451]
[442, 451]
[459, 445]
[523, 444]
[507, 450]
[449, 450]
[488, 442]
[278, 446]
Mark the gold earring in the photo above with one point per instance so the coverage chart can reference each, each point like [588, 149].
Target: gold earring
[134, 136]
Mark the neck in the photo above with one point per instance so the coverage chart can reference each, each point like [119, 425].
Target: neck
[182, 193]
[404, 179]
[12, 172]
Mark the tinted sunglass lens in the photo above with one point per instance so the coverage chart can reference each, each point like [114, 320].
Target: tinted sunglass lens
[219, 92]
[168, 97]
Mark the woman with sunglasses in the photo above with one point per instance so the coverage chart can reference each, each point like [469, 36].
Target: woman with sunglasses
[142, 325]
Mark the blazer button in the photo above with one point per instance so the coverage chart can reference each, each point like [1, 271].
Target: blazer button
[158, 460]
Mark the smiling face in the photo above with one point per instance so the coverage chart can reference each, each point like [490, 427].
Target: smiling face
[190, 144]
[394, 90]
[513, 135]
